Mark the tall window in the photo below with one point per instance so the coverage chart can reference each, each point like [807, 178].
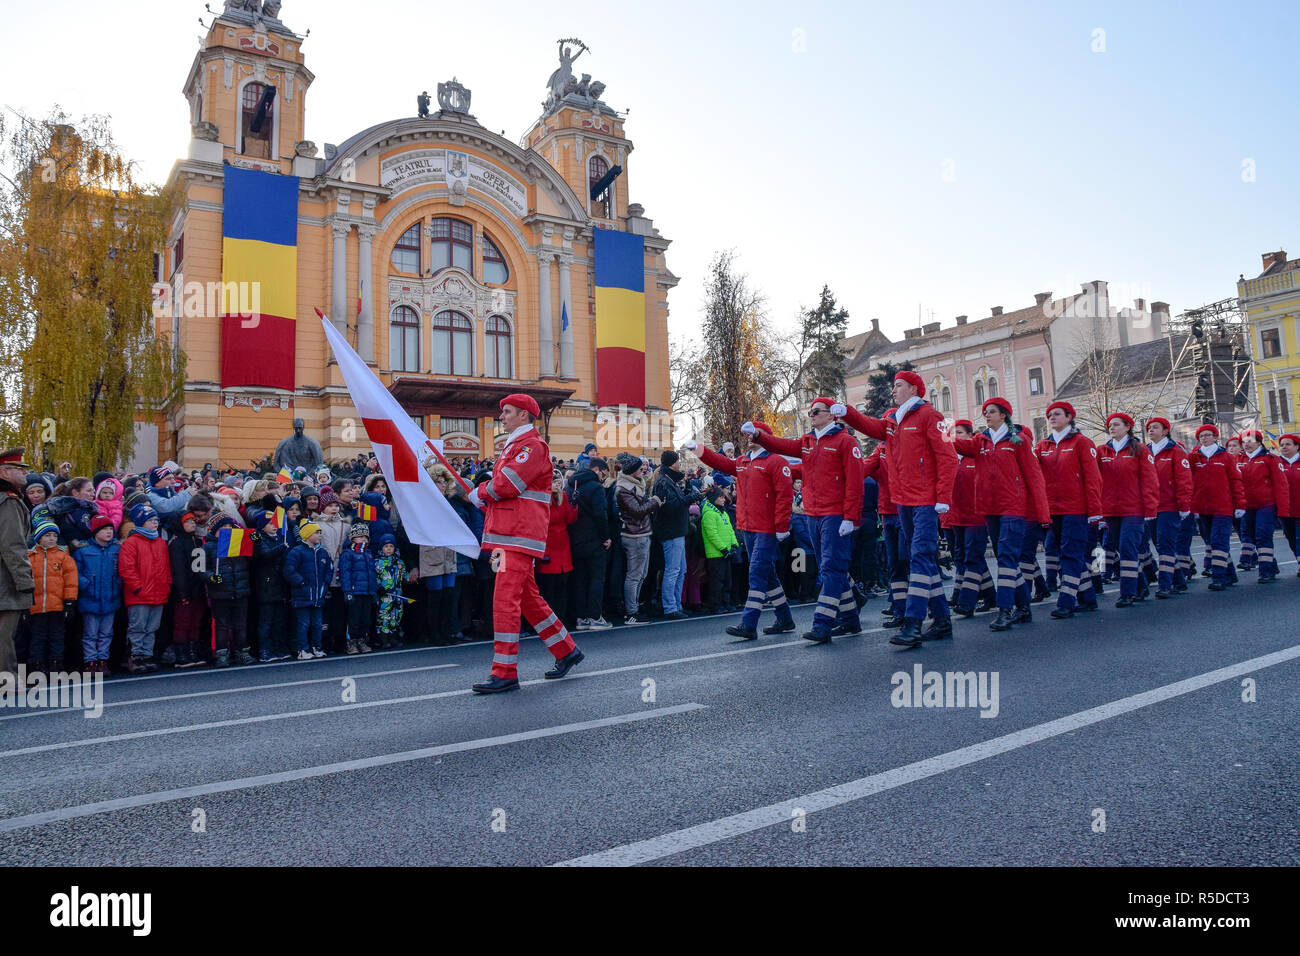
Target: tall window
[498, 347]
[1279, 409]
[597, 169]
[993, 387]
[1272, 342]
[1040, 429]
[495, 271]
[406, 252]
[256, 143]
[979, 393]
[1035, 381]
[453, 245]
[467, 425]
[453, 344]
[404, 340]
[947, 398]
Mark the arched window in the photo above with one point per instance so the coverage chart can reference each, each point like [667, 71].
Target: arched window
[453, 245]
[993, 387]
[453, 344]
[404, 339]
[979, 393]
[256, 143]
[498, 347]
[597, 168]
[406, 251]
[947, 399]
[495, 271]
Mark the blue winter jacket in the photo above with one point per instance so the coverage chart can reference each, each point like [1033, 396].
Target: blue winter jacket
[357, 572]
[99, 589]
[308, 571]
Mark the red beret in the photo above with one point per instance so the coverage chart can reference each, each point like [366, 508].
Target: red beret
[828, 402]
[997, 401]
[525, 402]
[1159, 421]
[1063, 406]
[1294, 438]
[1207, 427]
[963, 421]
[1122, 416]
[911, 378]
[1259, 435]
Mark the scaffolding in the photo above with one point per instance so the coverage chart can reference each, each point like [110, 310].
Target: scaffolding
[1215, 348]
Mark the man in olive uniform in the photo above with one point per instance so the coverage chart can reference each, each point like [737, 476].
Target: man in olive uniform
[16, 582]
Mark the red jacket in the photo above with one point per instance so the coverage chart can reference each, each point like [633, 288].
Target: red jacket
[1216, 483]
[146, 570]
[963, 513]
[1293, 480]
[557, 538]
[1128, 481]
[1008, 479]
[518, 498]
[922, 463]
[765, 489]
[832, 471]
[1264, 482]
[1173, 478]
[1071, 475]
[876, 466]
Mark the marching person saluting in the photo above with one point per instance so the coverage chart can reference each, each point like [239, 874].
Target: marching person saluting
[518, 504]
[1128, 488]
[832, 499]
[1174, 490]
[764, 494]
[1009, 491]
[1217, 496]
[1268, 497]
[1068, 459]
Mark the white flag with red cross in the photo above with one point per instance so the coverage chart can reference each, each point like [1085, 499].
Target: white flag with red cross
[400, 447]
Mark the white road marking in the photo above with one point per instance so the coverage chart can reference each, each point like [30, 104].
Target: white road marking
[704, 834]
[382, 760]
[231, 690]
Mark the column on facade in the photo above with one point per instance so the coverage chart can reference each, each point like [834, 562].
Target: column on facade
[366, 321]
[339, 293]
[546, 335]
[566, 334]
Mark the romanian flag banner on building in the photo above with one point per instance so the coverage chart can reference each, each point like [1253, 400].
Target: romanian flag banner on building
[620, 319]
[234, 543]
[259, 276]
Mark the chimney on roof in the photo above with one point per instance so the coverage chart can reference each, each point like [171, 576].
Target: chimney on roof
[930, 328]
[911, 333]
[1140, 304]
[875, 325]
[1041, 297]
[997, 310]
[1272, 259]
[1159, 318]
[961, 320]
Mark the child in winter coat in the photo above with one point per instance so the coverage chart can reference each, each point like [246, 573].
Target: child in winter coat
[390, 573]
[719, 540]
[269, 552]
[334, 531]
[145, 567]
[357, 576]
[189, 596]
[55, 574]
[309, 570]
[108, 500]
[99, 593]
[229, 586]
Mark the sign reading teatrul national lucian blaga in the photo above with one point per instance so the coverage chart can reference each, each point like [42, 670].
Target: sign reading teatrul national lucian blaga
[419, 166]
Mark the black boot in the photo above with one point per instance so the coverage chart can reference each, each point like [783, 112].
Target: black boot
[909, 634]
[565, 664]
[963, 611]
[739, 630]
[1002, 622]
[496, 685]
[893, 622]
[1022, 614]
[1041, 591]
[1125, 601]
[779, 628]
[1061, 613]
[938, 630]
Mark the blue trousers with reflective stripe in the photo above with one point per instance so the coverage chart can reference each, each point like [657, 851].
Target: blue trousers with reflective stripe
[1008, 533]
[1262, 521]
[1052, 554]
[1183, 550]
[1217, 548]
[920, 526]
[896, 558]
[1165, 531]
[1126, 535]
[833, 555]
[1029, 569]
[1071, 535]
[972, 565]
[764, 582]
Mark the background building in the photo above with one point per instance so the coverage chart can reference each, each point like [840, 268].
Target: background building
[1272, 302]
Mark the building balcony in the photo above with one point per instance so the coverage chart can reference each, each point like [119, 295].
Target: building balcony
[1270, 285]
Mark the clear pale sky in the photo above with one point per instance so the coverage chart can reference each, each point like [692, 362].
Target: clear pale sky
[953, 155]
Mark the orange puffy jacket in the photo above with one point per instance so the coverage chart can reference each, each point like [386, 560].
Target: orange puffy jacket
[56, 579]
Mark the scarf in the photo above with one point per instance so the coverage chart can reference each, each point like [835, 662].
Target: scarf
[144, 532]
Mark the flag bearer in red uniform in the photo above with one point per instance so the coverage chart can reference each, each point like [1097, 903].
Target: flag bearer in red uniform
[1268, 497]
[1217, 496]
[1068, 459]
[765, 492]
[1174, 490]
[518, 503]
[1289, 452]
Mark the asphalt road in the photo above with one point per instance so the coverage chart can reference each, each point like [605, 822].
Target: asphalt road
[774, 752]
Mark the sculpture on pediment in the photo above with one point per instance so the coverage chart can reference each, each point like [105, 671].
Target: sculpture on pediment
[564, 84]
[453, 97]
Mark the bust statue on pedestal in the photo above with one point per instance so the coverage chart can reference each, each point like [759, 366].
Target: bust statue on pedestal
[298, 450]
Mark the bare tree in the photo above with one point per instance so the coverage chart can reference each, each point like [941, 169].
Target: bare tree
[1113, 381]
[735, 348]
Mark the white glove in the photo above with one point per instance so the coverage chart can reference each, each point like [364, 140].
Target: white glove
[941, 508]
[1239, 513]
[838, 410]
[748, 428]
[690, 445]
[782, 535]
[474, 499]
[1094, 519]
[847, 527]
[1182, 515]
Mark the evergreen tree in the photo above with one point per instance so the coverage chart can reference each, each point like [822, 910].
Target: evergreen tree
[880, 385]
[822, 335]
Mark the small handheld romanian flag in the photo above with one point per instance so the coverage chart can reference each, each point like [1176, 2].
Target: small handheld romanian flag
[234, 543]
[277, 519]
[367, 512]
[284, 477]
